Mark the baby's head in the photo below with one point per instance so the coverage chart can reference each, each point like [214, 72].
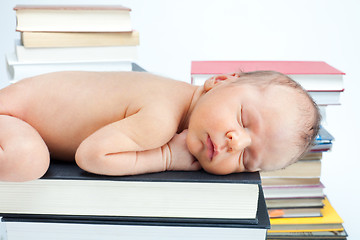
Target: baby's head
[251, 121]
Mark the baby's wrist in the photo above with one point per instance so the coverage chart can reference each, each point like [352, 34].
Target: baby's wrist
[166, 156]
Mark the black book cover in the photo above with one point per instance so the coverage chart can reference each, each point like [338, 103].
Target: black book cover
[68, 170]
[137, 68]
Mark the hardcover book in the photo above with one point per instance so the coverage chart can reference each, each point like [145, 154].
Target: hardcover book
[323, 82]
[78, 39]
[294, 203]
[20, 70]
[75, 54]
[300, 169]
[71, 18]
[295, 212]
[291, 181]
[70, 192]
[312, 75]
[323, 235]
[330, 221]
[306, 191]
[49, 228]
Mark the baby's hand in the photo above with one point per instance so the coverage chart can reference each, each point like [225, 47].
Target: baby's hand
[180, 157]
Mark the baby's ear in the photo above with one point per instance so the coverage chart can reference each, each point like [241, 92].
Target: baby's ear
[213, 81]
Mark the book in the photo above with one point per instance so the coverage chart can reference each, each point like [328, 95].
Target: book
[20, 70]
[136, 68]
[300, 169]
[323, 137]
[312, 75]
[290, 181]
[330, 221]
[19, 227]
[278, 203]
[326, 98]
[322, 81]
[72, 54]
[323, 141]
[312, 156]
[309, 191]
[322, 110]
[325, 147]
[324, 235]
[78, 39]
[70, 192]
[89, 231]
[72, 18]
[295, 212]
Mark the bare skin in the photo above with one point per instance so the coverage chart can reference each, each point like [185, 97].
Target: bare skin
[110, 111]
[125, 123]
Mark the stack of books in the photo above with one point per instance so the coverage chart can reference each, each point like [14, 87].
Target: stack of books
[68, 203]
[297, 205]
[66, 38]
[296, 191]
[296, 201]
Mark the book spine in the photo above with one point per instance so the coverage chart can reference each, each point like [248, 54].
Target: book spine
[71, 7]
[53, 55]
[18, 71]
[78, 39]
[88, 21]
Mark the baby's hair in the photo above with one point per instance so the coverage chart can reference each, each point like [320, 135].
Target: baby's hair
[311, 118]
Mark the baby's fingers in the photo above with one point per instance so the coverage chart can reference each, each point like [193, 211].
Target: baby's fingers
[194, 166]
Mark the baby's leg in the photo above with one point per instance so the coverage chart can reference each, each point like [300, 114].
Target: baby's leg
[23, 153]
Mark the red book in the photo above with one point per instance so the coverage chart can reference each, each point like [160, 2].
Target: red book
[285, 67]
[323, 82]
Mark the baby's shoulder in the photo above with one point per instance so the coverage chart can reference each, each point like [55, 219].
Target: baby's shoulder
[162, 109]
[166, 112]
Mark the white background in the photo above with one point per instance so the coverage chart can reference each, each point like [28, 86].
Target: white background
[173, 33]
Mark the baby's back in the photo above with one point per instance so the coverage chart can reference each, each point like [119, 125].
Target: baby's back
[66, 107]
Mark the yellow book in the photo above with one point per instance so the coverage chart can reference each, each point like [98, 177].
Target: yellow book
[330, 221]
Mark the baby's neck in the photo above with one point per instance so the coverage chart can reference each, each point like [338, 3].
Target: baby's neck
[184, 124]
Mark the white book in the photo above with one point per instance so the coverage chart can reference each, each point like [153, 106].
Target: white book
[72, 18]
[17, 230]
[20, 70]
[66, 54]
[310, 82]
[326, 98]
[310, 191]
[99, 198]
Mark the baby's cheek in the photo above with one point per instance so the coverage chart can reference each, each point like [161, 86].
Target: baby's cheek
[192, 145]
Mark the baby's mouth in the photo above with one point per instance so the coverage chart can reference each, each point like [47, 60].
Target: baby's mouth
[210, 148]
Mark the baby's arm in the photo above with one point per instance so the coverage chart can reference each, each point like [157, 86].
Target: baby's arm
[135, 145]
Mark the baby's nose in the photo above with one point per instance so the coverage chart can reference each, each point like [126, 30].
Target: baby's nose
[238, 140]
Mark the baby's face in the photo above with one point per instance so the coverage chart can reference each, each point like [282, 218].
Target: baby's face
[238, 128]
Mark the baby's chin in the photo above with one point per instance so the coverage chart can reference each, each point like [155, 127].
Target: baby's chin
[218, 169]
